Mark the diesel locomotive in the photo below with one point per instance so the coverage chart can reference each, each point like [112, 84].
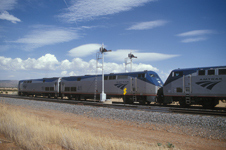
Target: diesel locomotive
[204, 86]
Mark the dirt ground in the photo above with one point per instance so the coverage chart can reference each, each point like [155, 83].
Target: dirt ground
[118, 130]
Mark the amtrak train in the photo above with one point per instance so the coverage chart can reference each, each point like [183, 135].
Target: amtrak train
[44, 87]
[134, 86]
[203, 86]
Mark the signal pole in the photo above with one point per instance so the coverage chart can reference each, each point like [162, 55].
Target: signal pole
[102, 51]
[130, 56]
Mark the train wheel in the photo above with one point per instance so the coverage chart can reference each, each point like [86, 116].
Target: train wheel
[208, 104]
[164, 104]
[62, 96]
[77, 97]
[70, 97]
[183, 103]
[128, 100]
[142, 102]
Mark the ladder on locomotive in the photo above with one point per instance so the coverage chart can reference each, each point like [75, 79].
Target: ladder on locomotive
[134, 97]
[134, 89]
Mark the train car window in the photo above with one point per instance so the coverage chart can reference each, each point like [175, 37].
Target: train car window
[105, 77]
[141, 75]
[67, 89]
[73, 89]
[51, 88]
[179, 90]
[211, 72]
[122, 77]
[46, 88]
[222, 71]
[201, 72]
[178, 74]
[152, 75]
[78, 79]
[112, 77]
[172, 74]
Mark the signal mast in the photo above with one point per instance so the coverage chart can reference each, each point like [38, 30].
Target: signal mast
[102, 51]
[130, 56]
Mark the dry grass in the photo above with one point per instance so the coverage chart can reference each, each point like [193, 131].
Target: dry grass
[31, 132]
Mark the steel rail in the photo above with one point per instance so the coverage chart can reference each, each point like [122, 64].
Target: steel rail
[157, 108]
[199, 111]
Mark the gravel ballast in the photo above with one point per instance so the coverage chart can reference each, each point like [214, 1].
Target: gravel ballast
[193, 125]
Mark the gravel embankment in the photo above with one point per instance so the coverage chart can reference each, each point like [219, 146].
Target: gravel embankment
[194, 125]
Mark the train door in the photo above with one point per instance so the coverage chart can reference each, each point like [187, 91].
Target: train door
[19, 87]
[187, 84]
[133, 86]
[187, 88]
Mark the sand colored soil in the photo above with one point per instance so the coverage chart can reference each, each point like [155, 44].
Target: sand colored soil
[121, 130]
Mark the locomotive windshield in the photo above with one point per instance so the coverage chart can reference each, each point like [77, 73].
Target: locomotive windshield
[157, 78]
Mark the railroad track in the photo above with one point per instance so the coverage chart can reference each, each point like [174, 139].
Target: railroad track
[199, 111]
[154, 108]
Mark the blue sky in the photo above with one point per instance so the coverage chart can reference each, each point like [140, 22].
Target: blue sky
[52, 38]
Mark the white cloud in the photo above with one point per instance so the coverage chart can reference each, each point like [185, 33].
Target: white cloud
[76, 66]
[80, 67]
[193, 40]
[147, 25]
[6, 16]
[84, 50]
[142, 67]
[64, 73]
[46, 35]
[117, 55]
[7, 4]
[196, 33]
[47, 62]
[85, 10]
[39, 68]
[120, 55]
[72, 73]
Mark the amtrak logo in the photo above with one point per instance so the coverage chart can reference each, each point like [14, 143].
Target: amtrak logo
[24, 86]
[208, 84]
[121, 86]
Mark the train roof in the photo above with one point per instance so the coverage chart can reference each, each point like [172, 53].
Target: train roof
[188, 71]
[111, 74]
[149, 74]
[198, 68]
[41, 79]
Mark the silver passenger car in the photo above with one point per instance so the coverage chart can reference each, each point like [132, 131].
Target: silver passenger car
[133, 86]
[204, 86]
[44, 87]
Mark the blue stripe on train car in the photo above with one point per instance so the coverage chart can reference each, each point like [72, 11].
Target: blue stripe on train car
[187, 72]
[155, 80]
